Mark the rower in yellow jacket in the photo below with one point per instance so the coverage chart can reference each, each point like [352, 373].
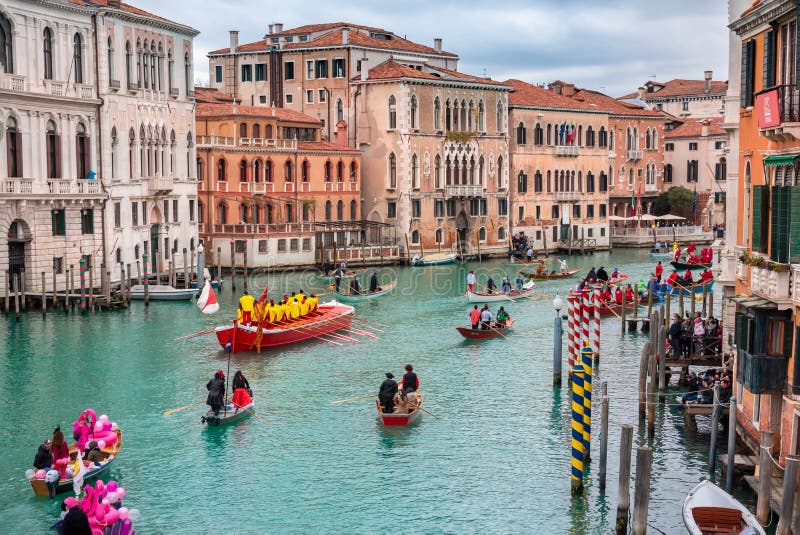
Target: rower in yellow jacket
[294, 309]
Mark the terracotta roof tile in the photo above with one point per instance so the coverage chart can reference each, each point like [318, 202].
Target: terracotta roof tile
[391, 70]
[525, 94]
[323, 145]
[694, 128]
[314, 28]
[616, 107]
[680, 87]
[123, 7]
[755, 5]
[357, 38]
[212, 103]
[256, 46]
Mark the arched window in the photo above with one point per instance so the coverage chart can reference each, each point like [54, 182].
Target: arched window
[243, 130]
[53, 149]
[549, 134]
[243, 171]
[580, 182]
[522, 182]
[414, 112]
[580, 136]
[6, 45]
[200, 175]
[538, 135]
[144, 74]
[353, 171]
[603, 182]
[589, 182]
[482, 234]
[353, 210]
[339, 210]
[437, 172]
[392, 171]
[82, 152]
[187, 73]
[128, 65]
[501, 234]
[222, 213]
[328, 171]
[268, 171]
[392, 112]
[537, 181]
[77, 57]
[257, 131]
[549, 181]
[480, 171]
[589, 136]
[437, 114]
[438, 237]
[448, 116]
[415, 237]
[611, 139]
[305, 171]
[521, 134]
[340, 171]
[628, 139]
[268, 131]
[153, 60]
[500, 173]
[288, 174]
[170, 70]
[481, 117]
[721, 169]
[603, 141]
[47, 48]
[222, 173]
[499, 116]
[647, 140]
[243, 216]
[339, 110]
[131, 149]
[654, 139]
[635, 140]
[111, 66]
[257, 171]
[14, 148]
[328, 208]
[414, 172]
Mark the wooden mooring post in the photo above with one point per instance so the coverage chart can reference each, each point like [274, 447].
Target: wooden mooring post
[23, 289]
[668, 316]
[652, 398]
[186, 268]
[644, 463]
[712, 450]
[138, 272]
[705, 298]
[16, 296]
[44, 294]
[764, 476]
[789, 488]
[644, 361]
[622, 313]
[603, 434]
[128, 286]
[71, 285]
[55, 292]
[624, 489]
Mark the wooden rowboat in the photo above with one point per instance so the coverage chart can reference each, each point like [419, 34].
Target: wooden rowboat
[228, 415]
[483, 334]
[686, 265]
[163, 292]
[366, 295]
[621, 277]
[615, 309]
[661, 256]
[436, 259]
[399, 419]
[550, 276]
[65, 485]
[708, 509]
[480, 297]
[689, 290]
[534, 262]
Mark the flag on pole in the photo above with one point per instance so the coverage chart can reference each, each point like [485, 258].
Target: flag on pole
[77, 477]
[563, 129]
[694, 201]
[207, 302]
[571, 134]
[633, 204]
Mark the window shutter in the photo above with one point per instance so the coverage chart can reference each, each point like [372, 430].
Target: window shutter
[779, 218]
[57, 170]
[743, 83]
[768, 78]
[756, 226]
[793, 209]
[87, 156]
[9, 154]
[53, 222]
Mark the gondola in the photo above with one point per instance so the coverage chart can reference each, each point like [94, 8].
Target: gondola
[708, 509]
[230, 414]
[661, 256]
[162, 292]
[366, 295]
[550, 276]
[435, 259]
[524, 261]
[685, 265]
[495, 297]
[695, 289]
[65, 484]
[483, 334]
[399, 419]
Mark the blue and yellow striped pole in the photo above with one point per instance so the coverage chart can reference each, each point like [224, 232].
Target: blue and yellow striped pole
[578, 437]
[586, 359]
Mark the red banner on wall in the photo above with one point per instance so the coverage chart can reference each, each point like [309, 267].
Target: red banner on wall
[768, 111]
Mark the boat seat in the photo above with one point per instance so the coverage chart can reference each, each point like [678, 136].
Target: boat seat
[718, 519]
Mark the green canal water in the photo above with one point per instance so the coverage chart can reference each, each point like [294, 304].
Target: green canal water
[496, 461]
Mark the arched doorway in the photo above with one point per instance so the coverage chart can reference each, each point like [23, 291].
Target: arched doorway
[462, 231]
[155, 238]
[19, 235]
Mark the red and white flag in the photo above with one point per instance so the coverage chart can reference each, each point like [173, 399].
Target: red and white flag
[207, 302]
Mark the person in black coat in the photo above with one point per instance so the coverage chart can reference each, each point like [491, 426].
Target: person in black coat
[216, 391]
[240, 381]
[410, 380]
[675, 330]
[602, 274]
[75, 522]
[386, 393]
[373, 283]
[44, 457]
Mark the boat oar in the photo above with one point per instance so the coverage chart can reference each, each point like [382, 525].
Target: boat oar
[498, 332]
[613, 311]
[371, 321]
[353, 399]
[179, 409]
[429, 412]
[198, 333]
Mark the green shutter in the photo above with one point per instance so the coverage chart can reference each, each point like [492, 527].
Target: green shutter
[53, 226]
[755, 233]
[793, 209]
[777, 241]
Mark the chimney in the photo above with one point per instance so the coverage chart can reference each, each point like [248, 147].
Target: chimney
[641, 93]
[270, 29]
[704, 131]
[568, 90]
[341, 133]
[234, 34]
[437, 44]
[278, 26]
[364, 68]
[346, 36]
[708, 75]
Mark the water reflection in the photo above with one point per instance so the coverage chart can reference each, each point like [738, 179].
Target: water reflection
[579, 524]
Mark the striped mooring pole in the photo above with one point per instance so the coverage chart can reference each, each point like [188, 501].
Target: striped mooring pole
[597, 301]
[233, 264]
[244, 263]
[586, 298]
[578, 446]
[146, 281]
[83, 284]
[586, 359]
[570, 330]
[576, 328]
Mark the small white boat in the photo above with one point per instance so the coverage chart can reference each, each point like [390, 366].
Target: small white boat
[365, 294]
[478, 297]
[708, 509]
[434, 259]
[163, 292]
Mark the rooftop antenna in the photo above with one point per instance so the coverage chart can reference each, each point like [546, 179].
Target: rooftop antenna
[484, 72]
[653, 76]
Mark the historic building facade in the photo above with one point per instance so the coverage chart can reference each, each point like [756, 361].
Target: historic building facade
[767, 324]
[559, 168]
[266, 178]
[435, 156]
[684, 98]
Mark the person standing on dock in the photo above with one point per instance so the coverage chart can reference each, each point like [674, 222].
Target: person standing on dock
[471, 280]
[216, 392]
[387, 392]
[246, 303]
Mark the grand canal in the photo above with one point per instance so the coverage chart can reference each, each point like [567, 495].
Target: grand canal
[496, 459]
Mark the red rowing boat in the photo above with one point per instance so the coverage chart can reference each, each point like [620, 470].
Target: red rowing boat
[615, 309]
[330, 317]
[399, 418]
[482, 334]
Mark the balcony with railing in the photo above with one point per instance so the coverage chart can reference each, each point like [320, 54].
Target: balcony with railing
[88, 187]
[133, 87]
[772, 281]
[794, 284]
[651, 188]
[567, 150]
[160, 183]
[114, 85]
[50, 187]
[243, 229]
[464, 190]
[12, 82]
[228, 141]
[783, 122]
[635, 154]
[567, 196]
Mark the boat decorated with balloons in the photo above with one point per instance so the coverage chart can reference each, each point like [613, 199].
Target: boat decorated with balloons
[102, 504]
[62, 477]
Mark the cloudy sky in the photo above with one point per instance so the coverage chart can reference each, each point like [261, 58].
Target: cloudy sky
[608, 45]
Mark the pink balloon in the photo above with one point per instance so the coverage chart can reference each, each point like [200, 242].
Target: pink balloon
[111, 486]
[106, 501]
[120, 492]
[101, 444]
[40, 474]
[123, 513]
[103, 418]
[112, 497]
[99, 485]
[106, 426]
[111, 517]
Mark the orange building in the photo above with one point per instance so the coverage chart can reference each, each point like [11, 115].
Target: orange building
[267, 181]
[768, 227]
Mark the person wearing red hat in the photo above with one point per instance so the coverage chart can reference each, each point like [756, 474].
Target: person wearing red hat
[216, 392]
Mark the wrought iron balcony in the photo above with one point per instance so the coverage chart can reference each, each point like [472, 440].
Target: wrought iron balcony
[464, 190]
